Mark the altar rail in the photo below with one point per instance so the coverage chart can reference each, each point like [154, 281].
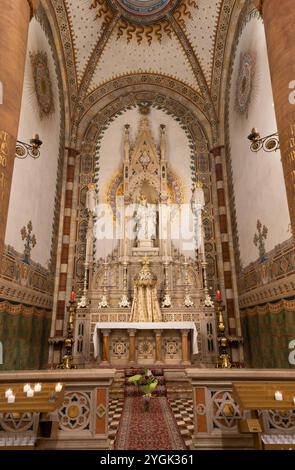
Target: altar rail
[81, 422]
[217, 417]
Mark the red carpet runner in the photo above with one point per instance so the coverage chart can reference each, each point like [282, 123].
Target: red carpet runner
[155, 429]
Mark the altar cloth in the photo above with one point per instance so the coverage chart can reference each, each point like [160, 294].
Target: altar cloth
[185, 325]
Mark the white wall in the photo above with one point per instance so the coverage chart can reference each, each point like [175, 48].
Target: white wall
[258, 178]
[34, 181]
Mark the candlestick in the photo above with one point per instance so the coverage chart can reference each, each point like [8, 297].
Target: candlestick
[278, 396]
[11, 398]
[58, 387]
[37, 387]
[72, 296]
[30, 393]
[26, 387]
[8, 393]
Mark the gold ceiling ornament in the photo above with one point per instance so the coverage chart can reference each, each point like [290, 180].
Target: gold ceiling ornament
[144, 23]
[103, 11]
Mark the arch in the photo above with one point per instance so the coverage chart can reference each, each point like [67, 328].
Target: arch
[159, 91]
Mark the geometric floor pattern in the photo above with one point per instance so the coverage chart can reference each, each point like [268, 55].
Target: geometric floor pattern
[182, 410]
[184, 414]
[115, 411]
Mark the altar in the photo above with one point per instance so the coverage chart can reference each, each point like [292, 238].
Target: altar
[103, 331]
[145, 296]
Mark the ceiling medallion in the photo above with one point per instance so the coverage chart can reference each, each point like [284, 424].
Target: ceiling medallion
[144, 20]
[245, 82]
[144, 11]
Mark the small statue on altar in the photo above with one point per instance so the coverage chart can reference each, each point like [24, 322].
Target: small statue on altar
[104, 302]
[146, 220]
[145, 305]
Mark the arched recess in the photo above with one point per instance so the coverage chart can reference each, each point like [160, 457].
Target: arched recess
[100, 109]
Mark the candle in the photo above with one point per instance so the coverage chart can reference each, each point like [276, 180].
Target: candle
[30, 393]
[37, 387]
[26, 387]
[36, 136]
[58, 387]
[8, 393]
[278, 396]
[11, 398]
[72, 296]
[218, 295]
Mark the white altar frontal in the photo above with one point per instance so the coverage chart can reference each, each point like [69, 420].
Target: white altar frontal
[145, 298]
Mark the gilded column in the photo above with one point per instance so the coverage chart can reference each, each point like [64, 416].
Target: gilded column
[279, 18]
[132, 345]
[14, 24]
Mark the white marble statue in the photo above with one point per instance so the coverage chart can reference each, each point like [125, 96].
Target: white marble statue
[91, 198]
[197, 206]
[146, 220]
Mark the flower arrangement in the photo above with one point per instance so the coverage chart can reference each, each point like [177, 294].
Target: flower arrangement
[147, 383]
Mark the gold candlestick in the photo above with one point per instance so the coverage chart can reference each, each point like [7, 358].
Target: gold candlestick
[67, 361]
[224, 360]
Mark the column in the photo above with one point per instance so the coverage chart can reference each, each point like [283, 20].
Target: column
[158, 335]
[184, 347]
[132, 345]
[279, 18]
[105, 346]
[225, 246]
[14, 23]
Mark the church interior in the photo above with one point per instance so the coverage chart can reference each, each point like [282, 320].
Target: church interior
[147, 260]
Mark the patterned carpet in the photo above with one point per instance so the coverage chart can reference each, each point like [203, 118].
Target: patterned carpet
[152, 430]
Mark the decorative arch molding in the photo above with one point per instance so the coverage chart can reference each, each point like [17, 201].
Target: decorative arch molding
[159, 91]
[53, 11]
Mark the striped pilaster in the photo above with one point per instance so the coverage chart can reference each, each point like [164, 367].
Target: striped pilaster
[63, 273]
[224, 234]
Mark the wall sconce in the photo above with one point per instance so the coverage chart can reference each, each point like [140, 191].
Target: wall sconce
[269, 143]
[32, 149]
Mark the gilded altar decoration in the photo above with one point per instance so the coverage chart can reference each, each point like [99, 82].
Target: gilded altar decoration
[245, 82]
[42, 82]
[145, 305]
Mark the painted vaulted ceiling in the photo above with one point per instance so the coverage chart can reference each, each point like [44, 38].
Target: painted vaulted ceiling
[103, 41]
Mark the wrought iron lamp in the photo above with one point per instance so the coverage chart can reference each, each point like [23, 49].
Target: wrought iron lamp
[23, 150]
[269, 143]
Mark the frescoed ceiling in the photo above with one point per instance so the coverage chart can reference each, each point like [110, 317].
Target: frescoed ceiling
[103, 41]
